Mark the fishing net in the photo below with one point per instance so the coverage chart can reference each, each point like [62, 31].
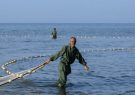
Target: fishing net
[19, 68]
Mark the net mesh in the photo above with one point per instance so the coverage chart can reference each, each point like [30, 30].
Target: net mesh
[30, 65]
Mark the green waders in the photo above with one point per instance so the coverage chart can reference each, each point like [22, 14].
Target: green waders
[54, 35]
[64, 70]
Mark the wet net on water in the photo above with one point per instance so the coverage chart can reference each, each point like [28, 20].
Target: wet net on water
[19, 68]
[25, 70]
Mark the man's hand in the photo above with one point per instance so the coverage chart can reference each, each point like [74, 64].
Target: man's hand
[86, 67]
[47, 61]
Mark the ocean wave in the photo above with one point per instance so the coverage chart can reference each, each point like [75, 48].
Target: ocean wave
[128, 92]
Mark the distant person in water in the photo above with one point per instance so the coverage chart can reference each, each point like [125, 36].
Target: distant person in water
[54, 34]
[67, 54]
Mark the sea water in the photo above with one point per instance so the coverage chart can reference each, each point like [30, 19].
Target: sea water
[109, 50]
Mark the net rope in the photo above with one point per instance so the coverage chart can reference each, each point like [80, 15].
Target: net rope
[13, 76]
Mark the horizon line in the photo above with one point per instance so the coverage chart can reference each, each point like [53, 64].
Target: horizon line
[67, 22]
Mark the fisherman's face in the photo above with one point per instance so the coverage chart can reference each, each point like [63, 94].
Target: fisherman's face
[72, 42]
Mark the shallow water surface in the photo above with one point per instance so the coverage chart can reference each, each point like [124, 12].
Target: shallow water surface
[109, 50]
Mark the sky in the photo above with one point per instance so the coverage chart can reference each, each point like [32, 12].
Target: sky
[67, 11]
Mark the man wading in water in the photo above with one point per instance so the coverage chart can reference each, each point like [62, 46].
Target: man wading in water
[54, 34]
[68, 55]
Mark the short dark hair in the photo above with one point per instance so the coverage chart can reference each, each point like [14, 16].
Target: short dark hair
[73, 38]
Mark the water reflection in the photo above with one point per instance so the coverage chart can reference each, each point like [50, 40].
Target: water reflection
[62, 91]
